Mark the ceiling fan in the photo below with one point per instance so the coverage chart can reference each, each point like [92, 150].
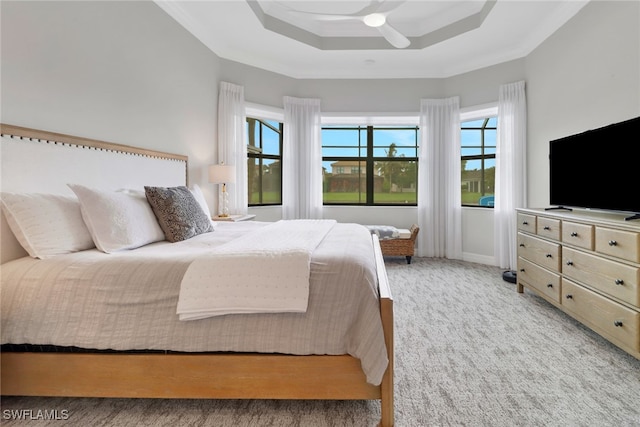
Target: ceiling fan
[374, 15]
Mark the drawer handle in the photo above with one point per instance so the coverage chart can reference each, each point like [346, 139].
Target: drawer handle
[613, 243]
[522, 270]
[522, 245]
[549, 256]
[619, 282]
[574, 234]
[569, 296]
[525, 223]
[546, 227]
[569, 262]
[550, 285]
[618, 323]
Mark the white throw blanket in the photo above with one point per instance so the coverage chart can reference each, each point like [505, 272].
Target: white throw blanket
[266, 271]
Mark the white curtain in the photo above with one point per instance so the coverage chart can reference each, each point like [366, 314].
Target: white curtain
[439, 199]
[232, 148]
[302, 159]
[511, 162]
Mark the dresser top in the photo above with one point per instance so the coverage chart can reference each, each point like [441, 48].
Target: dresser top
[612, 219]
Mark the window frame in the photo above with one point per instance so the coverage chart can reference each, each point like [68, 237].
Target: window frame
[259, 111]
[261, 156]
[485, 113]
[370, 160]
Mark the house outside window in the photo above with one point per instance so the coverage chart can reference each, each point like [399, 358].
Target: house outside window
[370, 165]
[264, 163]
[478, 155]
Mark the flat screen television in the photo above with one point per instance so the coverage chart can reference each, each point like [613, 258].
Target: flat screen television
[597, 169]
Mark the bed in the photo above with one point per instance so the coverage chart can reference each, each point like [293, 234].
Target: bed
[72, 325]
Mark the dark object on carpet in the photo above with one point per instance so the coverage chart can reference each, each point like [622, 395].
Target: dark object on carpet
[509, 276]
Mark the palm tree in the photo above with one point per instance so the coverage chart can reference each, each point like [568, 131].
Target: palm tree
[388, 169]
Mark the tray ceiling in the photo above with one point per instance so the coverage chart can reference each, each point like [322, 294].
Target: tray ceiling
[329, 39]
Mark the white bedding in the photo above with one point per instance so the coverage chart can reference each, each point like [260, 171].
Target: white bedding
[266, 271]
[127, 301]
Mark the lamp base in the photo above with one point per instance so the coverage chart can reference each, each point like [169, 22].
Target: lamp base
[224, 202]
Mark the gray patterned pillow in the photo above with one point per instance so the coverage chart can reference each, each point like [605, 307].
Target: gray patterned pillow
[179, 213]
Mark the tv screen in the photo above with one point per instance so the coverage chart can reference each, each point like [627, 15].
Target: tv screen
[597, 169]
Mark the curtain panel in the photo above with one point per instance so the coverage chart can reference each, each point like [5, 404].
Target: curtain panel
[439, 198]
[511, 163]
[302, 159]
[232, 148]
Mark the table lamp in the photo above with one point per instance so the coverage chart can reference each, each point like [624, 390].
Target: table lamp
[222, 174]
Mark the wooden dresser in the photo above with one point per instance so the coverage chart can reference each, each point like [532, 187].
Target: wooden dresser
[588, 265]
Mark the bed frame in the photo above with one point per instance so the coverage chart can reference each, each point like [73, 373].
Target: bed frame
[211, 375]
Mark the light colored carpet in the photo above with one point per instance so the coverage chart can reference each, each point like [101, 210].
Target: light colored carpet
[470, 351]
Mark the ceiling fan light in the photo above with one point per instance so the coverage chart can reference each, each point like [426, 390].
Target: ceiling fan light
[374, 20]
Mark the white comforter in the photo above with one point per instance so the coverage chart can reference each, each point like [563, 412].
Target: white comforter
[266, 271]
[127, 301]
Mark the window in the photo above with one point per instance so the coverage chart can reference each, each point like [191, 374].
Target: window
[370, 165]
[264, 163]
[478, 151]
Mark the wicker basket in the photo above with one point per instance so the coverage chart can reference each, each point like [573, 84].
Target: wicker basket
[401, 247]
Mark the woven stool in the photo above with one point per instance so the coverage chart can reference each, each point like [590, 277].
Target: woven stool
[402, 245]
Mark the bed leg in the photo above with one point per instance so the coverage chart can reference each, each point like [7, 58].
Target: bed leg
[408, 259]
[386, 402]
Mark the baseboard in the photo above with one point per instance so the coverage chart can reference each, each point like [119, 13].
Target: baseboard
[479, 259]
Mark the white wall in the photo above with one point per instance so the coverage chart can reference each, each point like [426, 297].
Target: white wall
[122, 72]
[126, 72]
[586, 75]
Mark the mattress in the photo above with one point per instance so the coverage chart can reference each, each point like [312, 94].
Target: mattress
[127, 301]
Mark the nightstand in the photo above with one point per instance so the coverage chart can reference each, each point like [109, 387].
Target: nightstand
[234, 218]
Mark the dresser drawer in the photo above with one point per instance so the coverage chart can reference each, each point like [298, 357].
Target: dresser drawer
[541, 252]
[542, 280]
[603, 315]
[618, 243]
[613, 278]
[527, 223]
[577, 234]
[548, 227]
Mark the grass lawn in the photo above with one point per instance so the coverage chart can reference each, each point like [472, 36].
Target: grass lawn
[382, 198]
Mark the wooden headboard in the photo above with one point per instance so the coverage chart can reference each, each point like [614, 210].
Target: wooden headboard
[36, 161]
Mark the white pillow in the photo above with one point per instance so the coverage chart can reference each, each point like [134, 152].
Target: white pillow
[199, 196]
[46, 225]
[117, 220]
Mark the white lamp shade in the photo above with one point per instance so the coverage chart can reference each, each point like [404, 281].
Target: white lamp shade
[222, 174]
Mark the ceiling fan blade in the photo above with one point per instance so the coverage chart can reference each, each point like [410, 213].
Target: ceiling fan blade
[393, 36]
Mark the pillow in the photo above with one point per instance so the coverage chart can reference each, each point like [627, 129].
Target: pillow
[178, 212]
[46, 225]
[117, 220]
[199, 196]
